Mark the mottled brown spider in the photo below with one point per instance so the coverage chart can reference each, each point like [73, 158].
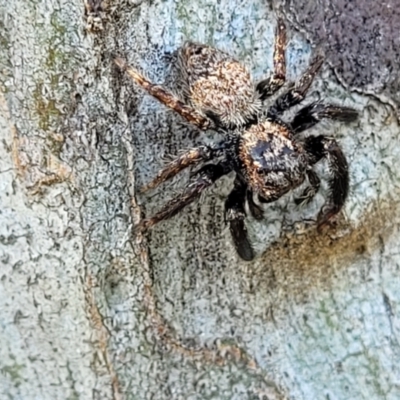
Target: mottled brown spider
[269, 157]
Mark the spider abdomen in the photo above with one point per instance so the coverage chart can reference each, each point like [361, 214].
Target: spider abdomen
[218, 85]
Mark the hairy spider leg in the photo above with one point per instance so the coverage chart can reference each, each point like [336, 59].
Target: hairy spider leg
[269, 86]
[235, 214]
[306, 118]
[319, 147]
[191, 157]
[207, 175]
[297, 92]
[310, 115]
[164, 96]
[256, 211]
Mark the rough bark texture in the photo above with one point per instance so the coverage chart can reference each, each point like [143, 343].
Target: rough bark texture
[88, 310]
[360, 39]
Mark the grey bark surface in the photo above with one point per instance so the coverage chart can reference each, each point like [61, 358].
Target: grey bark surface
[89, 310]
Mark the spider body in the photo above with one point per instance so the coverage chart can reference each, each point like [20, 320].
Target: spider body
[268, 156]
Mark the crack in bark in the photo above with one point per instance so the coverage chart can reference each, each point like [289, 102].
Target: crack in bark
[97, 321]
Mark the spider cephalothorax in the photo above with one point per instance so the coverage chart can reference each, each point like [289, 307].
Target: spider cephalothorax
[272, 162]
[268, 156]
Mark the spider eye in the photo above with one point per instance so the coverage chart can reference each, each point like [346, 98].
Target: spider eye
[198, 51]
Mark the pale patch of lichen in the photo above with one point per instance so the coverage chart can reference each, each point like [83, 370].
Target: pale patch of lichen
[53, 84]
[4, 57]
[187, 13]
[45, 108]
[13, 372]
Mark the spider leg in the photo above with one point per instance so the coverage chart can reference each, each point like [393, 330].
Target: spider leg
[263, 200]
[297, 92]
[192, 157]
[314, 112]
[319, 147]
[256, 211]
[235, 215]
[269, 86]
[311, 190]
[164, 96]
[206, 177]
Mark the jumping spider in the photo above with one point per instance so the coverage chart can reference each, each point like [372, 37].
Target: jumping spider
[269, 157]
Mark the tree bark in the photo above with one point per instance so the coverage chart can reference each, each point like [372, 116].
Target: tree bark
[88, 309]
